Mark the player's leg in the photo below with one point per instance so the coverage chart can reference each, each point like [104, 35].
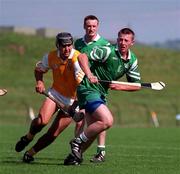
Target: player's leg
[100, 154]
[59, 124]
[79, 127]
[98, 121]
[46, 112]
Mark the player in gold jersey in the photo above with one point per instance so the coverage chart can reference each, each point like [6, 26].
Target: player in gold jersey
[67, 74]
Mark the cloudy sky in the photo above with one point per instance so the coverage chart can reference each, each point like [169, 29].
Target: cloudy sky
[152, 20]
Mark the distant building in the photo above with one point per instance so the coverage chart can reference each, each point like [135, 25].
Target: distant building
[47, 32]
[25, 30]
[44, 32]
[6, 28]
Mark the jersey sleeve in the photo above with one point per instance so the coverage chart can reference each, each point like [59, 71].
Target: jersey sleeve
[43, 65]
[79, 74]
[100, 53]
[133, 74]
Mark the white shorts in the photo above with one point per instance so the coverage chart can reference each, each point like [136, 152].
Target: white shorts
[57, 96]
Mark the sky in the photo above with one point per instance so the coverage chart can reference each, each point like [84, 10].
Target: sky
[152, 20]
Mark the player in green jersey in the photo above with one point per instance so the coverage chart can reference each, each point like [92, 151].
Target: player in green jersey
[105, 63]
[85, 44]
[91, 37]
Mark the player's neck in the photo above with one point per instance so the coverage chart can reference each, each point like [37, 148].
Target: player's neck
[63, 58]
[89, 38]
[124, 55]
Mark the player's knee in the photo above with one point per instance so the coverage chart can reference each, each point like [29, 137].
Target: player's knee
[36, 126]
[108, 123]
[42, 121]
[111, 120]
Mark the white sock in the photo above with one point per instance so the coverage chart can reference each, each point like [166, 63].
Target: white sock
[101, 146]
[83, 137]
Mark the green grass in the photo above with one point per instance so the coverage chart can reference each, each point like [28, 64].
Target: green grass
[129, 151]
[140, 149]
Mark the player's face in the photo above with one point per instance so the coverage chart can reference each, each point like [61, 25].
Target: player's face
[65, 50]
[125, 41]
[91, 27]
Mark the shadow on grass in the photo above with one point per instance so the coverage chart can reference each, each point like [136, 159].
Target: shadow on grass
[17, 161]
[38, 161]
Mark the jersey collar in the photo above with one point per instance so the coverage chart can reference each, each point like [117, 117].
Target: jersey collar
[129, 53]
[94, 40]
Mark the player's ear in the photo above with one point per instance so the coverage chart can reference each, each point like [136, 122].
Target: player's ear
[117, 39]
[132, 43]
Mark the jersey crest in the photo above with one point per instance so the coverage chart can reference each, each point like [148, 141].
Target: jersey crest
[100, 53]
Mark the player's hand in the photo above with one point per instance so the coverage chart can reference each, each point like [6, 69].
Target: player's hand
[40, 87]
[93, 79]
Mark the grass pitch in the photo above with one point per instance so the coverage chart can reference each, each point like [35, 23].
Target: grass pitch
[129, 151]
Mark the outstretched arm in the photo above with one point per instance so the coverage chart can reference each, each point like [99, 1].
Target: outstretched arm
[124, 87]
[128, 86]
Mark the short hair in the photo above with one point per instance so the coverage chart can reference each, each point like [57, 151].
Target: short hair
[126, 31]
[90, 17]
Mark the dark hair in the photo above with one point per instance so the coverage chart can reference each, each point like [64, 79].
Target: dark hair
[64, 38]
[126, 31]
[90, 17]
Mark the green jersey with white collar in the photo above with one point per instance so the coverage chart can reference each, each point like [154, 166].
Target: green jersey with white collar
[84, 47]
[107, 64]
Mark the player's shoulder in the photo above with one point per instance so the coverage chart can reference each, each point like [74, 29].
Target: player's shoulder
[75, 55]
[133, 58]
[52, 51]
[133, 55]
[51, 54]
[102, 38]
[104, 41]
[75, 51]
[78, 41]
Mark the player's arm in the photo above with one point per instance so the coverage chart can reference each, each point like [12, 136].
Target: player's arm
[124, 87]
[132, 75]
[78, 72]
[84, 64]
[98, 54]
[40, 69]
